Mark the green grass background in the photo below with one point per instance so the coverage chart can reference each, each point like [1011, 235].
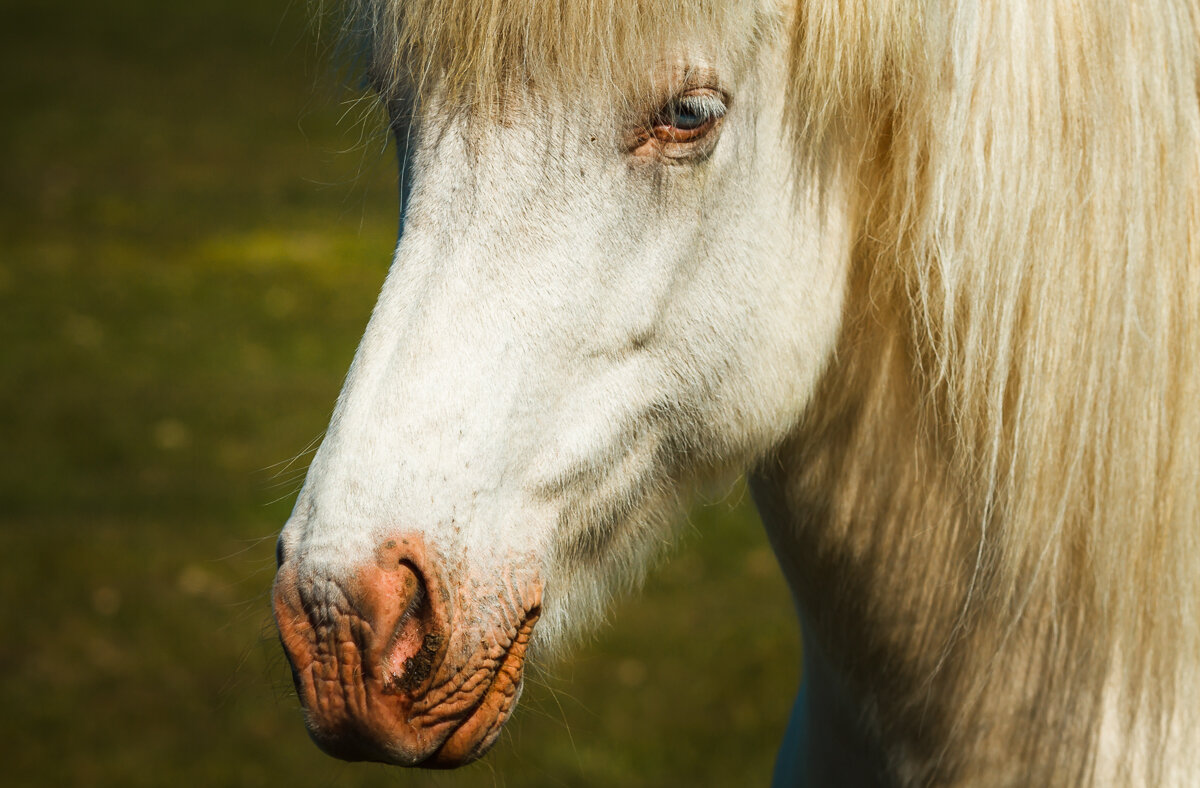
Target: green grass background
[194, 223]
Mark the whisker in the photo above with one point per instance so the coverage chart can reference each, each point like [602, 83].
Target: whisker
[309, 448]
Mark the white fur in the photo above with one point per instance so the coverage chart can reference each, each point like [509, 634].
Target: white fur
[566, 336]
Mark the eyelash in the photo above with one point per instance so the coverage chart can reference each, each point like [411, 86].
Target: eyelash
[688, 117]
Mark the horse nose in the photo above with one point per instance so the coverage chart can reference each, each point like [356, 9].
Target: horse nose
[363, 644]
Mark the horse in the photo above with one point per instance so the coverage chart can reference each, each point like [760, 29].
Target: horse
[926, 272]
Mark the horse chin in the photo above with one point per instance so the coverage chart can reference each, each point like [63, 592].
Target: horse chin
[383, 671]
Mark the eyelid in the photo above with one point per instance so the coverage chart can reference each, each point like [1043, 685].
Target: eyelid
[685, 127]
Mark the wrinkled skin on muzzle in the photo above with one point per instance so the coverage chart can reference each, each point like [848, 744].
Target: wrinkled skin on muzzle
[575, 328]
[374, 666]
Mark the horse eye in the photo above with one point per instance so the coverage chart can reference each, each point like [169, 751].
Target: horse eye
[685, 117]
[689, 117]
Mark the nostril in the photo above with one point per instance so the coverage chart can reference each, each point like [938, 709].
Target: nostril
[366, 642]
[407, 659]
[411, 657]
[412, 588]
[279, 552]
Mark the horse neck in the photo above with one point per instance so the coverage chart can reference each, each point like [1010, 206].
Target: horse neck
[886, 557]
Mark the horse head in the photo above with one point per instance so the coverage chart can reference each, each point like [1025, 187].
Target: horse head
[604, 291]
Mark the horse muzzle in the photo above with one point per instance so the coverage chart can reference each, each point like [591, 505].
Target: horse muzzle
[381, 671]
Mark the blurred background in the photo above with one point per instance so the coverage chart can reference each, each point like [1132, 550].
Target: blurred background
[195, 217]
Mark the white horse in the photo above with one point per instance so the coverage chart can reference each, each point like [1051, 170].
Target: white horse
[926, 269]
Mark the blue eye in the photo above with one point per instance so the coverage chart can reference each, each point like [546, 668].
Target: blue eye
[686, 117]
[689, 117]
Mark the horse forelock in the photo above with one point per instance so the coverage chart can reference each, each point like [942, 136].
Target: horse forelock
[474, 52]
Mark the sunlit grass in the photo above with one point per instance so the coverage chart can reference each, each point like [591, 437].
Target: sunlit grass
[191, 245]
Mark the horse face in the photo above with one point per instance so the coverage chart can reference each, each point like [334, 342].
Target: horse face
[593, 304]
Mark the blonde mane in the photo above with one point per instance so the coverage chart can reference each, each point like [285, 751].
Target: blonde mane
[1023, 338]
[1030, 218]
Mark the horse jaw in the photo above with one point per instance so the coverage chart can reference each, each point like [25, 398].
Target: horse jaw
[566, 339]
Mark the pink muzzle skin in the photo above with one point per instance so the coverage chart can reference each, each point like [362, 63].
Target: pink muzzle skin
[368, 651]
